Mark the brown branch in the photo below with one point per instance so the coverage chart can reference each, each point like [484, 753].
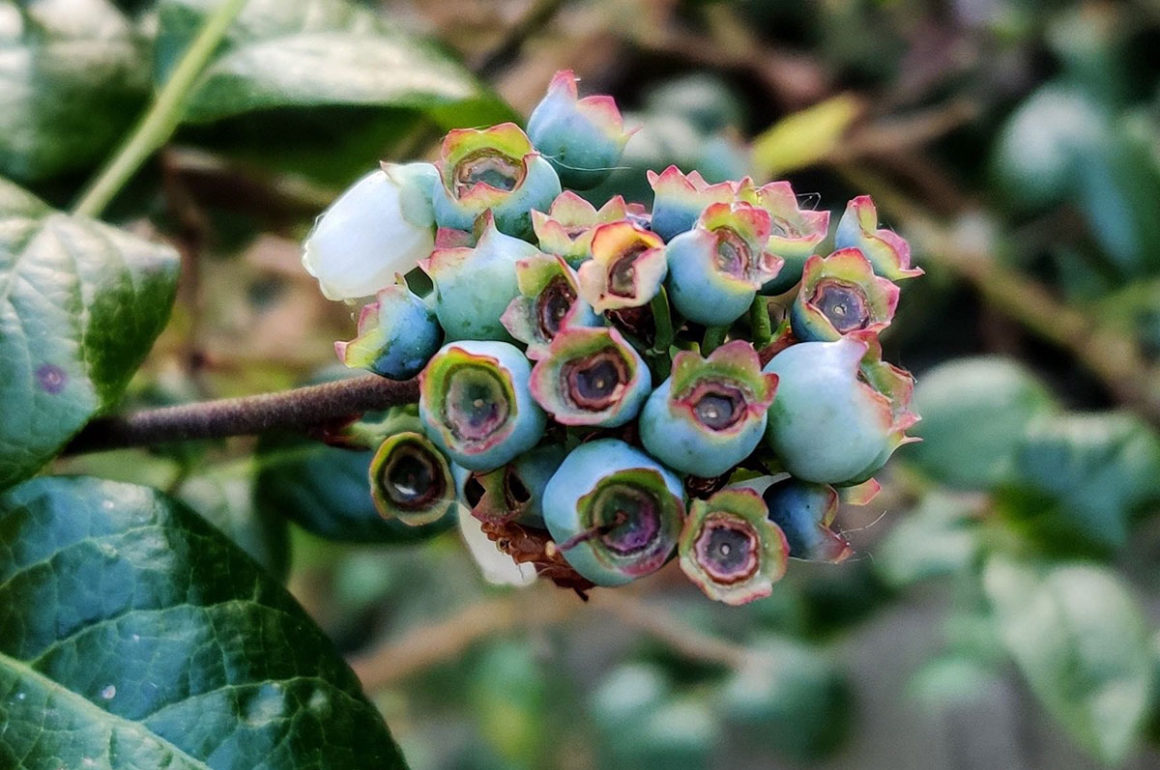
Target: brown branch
[299, 409]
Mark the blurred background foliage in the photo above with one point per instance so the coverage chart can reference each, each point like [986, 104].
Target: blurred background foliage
[1002, 609]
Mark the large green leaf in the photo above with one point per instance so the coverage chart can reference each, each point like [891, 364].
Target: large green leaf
[974, 413]
[308, 53]
[1097, 468]
[73, 76]
[134, 635]
[1083, 646]
[80, 305]
[939, 537]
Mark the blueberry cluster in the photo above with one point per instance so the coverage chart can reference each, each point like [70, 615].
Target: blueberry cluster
[605, 387]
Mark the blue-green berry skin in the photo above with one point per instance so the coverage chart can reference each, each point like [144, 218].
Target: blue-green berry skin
[413, 336]
[799, 507]
[535, 469]
[670, 218]
[698, 291]
[579, 474]
[473, 287]
[538, 189]
[671, 436]
[825, 424]
[582, 154]
[530, 421]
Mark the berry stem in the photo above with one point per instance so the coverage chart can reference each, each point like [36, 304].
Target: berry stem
[300, 409]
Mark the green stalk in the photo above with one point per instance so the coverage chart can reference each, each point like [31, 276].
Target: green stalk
[162, 117]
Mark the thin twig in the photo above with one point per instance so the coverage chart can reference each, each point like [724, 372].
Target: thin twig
[682, 638]
[163, 116]
[299, 409]
[426, 646]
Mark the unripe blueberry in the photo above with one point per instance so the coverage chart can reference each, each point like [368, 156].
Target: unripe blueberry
[730, 549]
[804, 512]
[591, 376]
[678, 200]
[381, 226]
[475, 405]
[397, 334]
[716, 268]
[710, 414]
[840, 411]
[794, 234]
[570, 223]
[549, 302]
[514, 492]
[627, 268]
[614, 512]
[887, 251]
[411, 480]
[841, 294]
[581, 138]
[475, 285]
[492, 169]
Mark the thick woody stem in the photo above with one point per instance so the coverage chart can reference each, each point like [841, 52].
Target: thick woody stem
[298, 410]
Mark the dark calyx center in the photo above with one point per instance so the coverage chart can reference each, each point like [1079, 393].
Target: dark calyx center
[596, 382]
[733, 254]
[486, 167]
[843, 304]
[727, 550]
[412, 478]
[553, 304]
[476, 405]
[628, 516]
[716, 405]
[622, 272]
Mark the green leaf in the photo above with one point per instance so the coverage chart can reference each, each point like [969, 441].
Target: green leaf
[73, 76]
[792, 697]
[134, 635]
[80, 305]
[327, 491]
[1083, 646]
[309, 53]
[974, 413]
[937, 538]
[227, 504]
[1097, 467]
